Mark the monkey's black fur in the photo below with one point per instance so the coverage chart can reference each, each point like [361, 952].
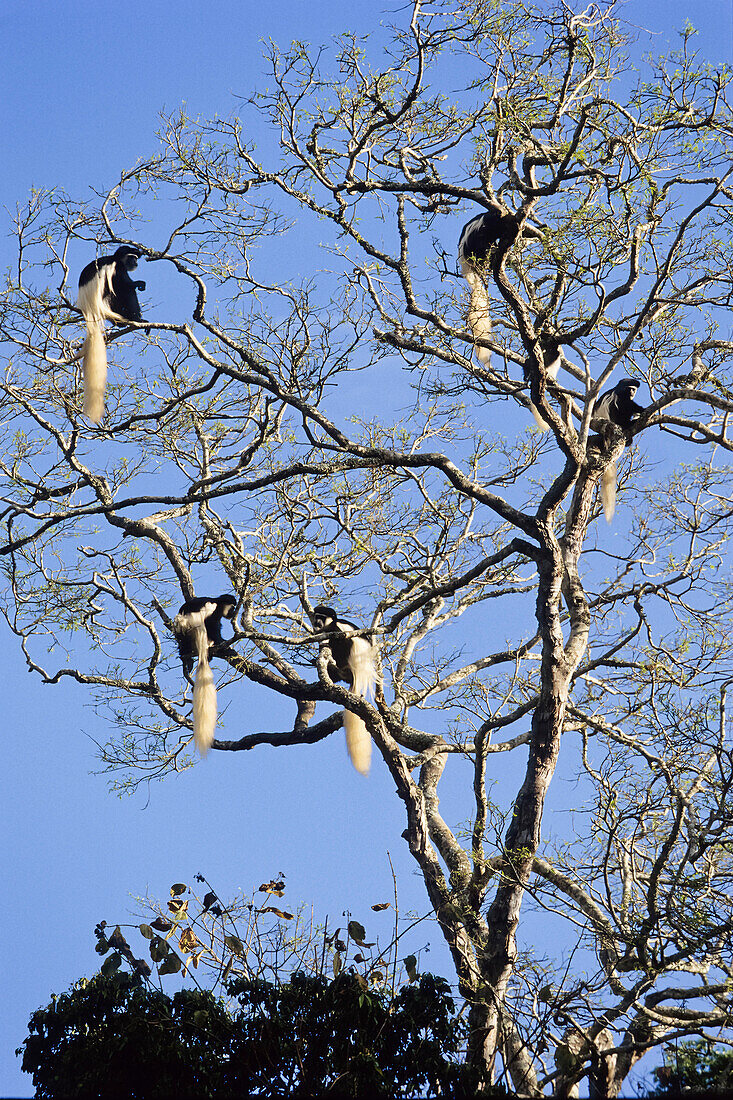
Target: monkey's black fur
[481, 233]
[615, 406]
[352, 660]
[339, 641]
[186, 639]
[118, 289]
[618, 405]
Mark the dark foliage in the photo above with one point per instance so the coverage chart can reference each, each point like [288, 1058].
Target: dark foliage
[114, 1036]
[699, 1066]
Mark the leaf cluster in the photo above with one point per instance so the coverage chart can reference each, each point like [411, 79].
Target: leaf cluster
[113, 1036]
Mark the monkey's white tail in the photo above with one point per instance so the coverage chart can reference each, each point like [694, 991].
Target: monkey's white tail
[358, 741]
[608, 491]
[479, 318]
[552, 370]
[204, 695]
[542, 425]
[95, 370]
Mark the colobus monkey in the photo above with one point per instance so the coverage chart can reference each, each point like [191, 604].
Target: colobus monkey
[475, 243]
[353, 662]
[616, 405]
[197, 627]
[106, 292]
[477, 239]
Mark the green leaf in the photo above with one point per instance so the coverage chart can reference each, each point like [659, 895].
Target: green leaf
[114, 962]
[178, 888]
[337, 965]
[146, 931]
[170, 965]
[158, 949]
[411, 967]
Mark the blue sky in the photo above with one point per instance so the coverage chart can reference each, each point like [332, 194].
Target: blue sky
[81, 89]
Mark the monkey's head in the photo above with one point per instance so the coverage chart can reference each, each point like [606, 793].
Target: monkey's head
[127, 256]
[227, 603]
[627, 387]
[324, 618]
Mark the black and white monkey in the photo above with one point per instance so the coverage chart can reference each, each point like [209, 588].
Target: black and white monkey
[475, 243]
[106, 293]
[616, 405]
[197, 627]
[478, 238]
[352, 660]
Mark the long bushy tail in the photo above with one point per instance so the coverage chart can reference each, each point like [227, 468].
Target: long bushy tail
[364, 673]
[608, 491]
[358, 742]
[479, 318]
[204, 696]
[552, 370]
[542, 425]
[95, 370]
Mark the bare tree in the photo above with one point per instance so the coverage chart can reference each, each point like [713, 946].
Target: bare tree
[452, 530]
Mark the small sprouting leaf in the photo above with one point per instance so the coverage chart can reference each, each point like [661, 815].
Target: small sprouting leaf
[146, 931]
[234, 944]
[178, 888]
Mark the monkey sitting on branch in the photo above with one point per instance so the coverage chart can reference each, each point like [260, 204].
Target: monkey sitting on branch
[352, 660]
[106, 293]
[197, 628]
[615, 406]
